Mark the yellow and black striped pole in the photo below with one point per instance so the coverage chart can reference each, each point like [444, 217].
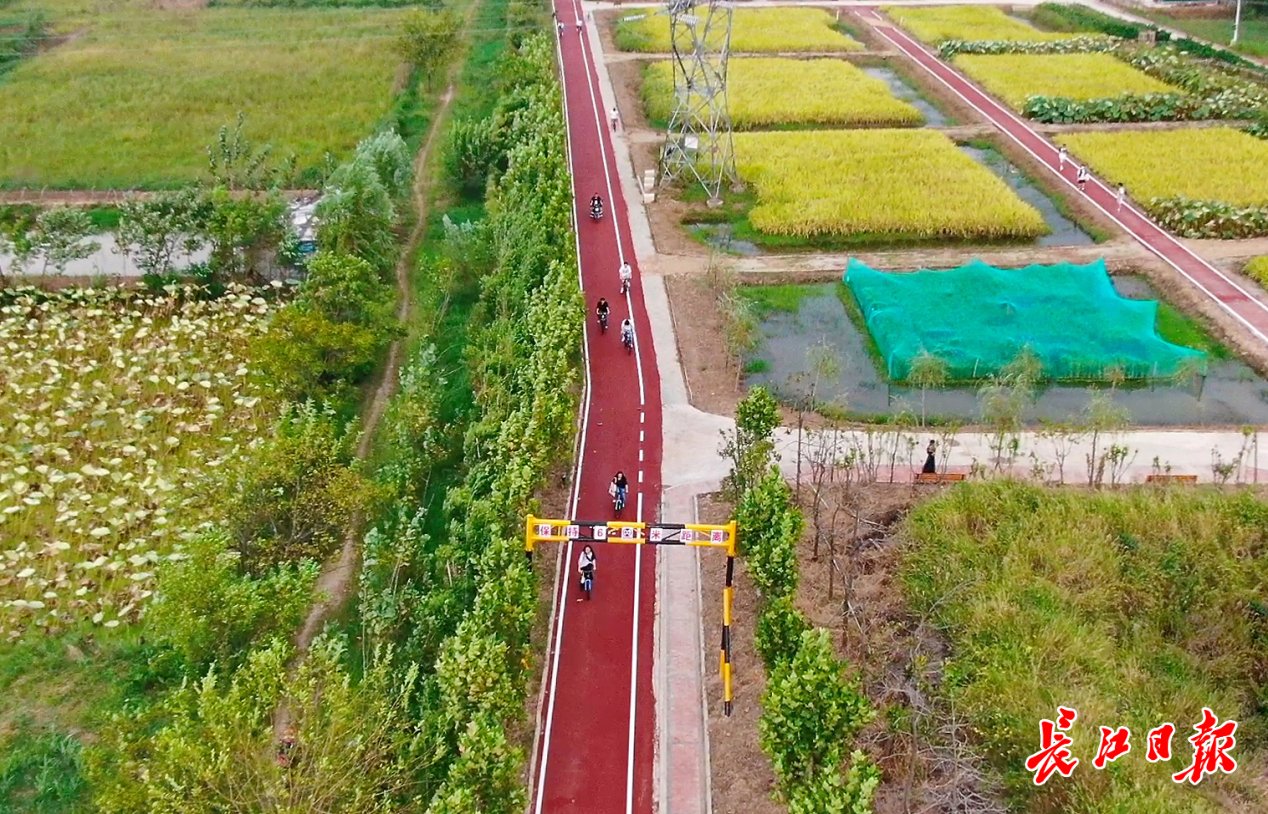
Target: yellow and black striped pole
[727, 594]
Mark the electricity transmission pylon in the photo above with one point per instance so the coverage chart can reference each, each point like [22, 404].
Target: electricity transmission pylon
[699, 139]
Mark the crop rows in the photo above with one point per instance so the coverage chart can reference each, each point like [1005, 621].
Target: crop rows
[1015, 77]
[1210, 164]
[118, 406]
[760, 94]
[754, 30]
[933, 24]
[910, 183]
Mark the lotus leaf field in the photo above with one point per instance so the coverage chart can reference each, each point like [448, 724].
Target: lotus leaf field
[754, 30]
[1083, 77]
[933, 24]
[118, 406]
[135, 100]
[760, 94]
[1208, 164]
[901, 183]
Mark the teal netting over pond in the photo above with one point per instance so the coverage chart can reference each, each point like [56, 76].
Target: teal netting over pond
[977, 318]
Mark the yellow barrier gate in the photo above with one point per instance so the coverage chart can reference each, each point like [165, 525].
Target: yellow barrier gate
[700, 535]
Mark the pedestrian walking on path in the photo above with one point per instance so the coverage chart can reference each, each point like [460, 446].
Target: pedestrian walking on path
[1062, 155]
[614, 116]
[1081, 176]
[931, 462]
[1122, 196]
[578, 25]
[560, 27]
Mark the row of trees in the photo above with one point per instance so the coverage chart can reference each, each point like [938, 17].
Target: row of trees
[221, 623]
[811, 712]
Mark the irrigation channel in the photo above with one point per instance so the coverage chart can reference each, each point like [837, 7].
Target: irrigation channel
[1232, 394]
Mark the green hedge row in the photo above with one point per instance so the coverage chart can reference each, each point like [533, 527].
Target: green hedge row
[811, 712]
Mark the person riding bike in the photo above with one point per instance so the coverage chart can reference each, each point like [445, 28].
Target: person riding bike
[586, 565]
[627, 333]
[596, 206]
[626, 274]
[620, 487]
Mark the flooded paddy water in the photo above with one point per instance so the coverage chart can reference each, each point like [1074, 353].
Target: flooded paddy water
[1230, 394]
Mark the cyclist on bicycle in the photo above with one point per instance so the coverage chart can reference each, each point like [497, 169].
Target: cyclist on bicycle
[602, 310]
[626, 274]
[621, 487]
[627, 332]
[586, 565]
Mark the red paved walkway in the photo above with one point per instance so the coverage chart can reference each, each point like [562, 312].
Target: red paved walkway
[595, 744]
[1226, 291]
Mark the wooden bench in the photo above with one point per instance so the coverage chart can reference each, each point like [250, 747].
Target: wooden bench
[945, 477]
[1171, 479]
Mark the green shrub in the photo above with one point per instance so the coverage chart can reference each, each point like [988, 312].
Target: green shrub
[810, 713]
[1063, 17]
[295, 498]
[1209, 219]
[474, 152]
[1257, 270]
[207, 610]
[830, 793]
[771, 528]
[778, 632]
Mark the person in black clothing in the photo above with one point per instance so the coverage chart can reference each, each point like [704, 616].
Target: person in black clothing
[931, 464]
[620, 486]
[602, 310]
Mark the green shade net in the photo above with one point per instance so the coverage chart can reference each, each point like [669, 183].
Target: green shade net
[977, 318]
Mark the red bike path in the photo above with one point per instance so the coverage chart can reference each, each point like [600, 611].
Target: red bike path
[594, 751]
[1234, 299]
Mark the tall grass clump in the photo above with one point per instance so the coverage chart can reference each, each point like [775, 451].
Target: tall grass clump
[1136, 608]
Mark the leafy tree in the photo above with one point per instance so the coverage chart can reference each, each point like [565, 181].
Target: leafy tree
[153, 231]
[486, 777]
[240, 228]
[206, 609]
[210, 745]
[355, 215]
[770, 528]
[332, 335]
[830, 793]
[927, 370]
[296, 498]
[473, 154]
[810, 713]
[236, 163]
[778, 633]
[750, 448]
[388, 153]
[428, 38]
[60, 237]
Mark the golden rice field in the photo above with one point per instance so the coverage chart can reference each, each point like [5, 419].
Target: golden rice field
[907, 183]
[118, 406]
[760, 94]
[1014, 77]
[754, 30]
[136, 100]
[1209, 164]
[933, 24]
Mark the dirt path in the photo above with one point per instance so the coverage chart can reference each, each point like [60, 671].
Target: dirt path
[335, 583]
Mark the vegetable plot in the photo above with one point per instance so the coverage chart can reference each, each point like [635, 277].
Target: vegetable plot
[1014, 77]
[118, 406]
[754, 30]
[904, 183]
[933, 24]
[761, 93]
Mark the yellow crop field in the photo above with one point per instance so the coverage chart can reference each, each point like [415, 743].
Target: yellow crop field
[933, 24]
[1014, 77]
[1215, 164]
[905, 183]
[760, 94]
[754, 30]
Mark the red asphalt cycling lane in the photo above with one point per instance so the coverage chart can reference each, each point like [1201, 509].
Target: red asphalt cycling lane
[1228, 294]
[597, 717]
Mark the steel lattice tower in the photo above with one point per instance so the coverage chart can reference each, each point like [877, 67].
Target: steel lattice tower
[699, 139]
